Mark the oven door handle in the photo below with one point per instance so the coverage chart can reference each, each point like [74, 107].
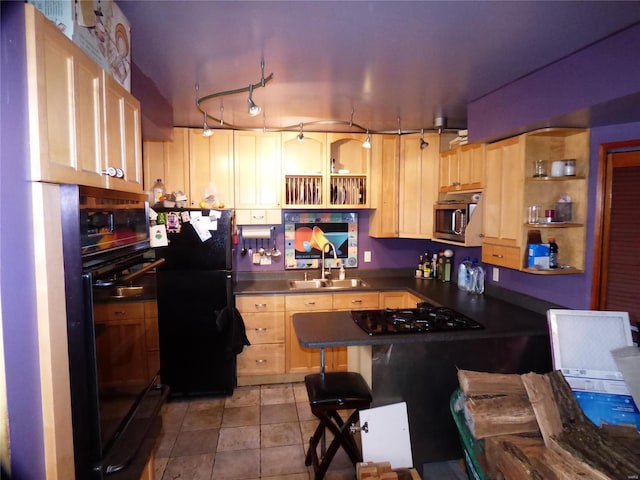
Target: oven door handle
[144, 269]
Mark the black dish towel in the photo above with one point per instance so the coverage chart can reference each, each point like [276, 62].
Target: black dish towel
[231, 325]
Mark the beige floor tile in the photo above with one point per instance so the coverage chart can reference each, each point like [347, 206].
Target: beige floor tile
[280, 434]
[293, 476]
[282, 460]
[279, 393]
[239, 438]
[173, 414]
[203, 417]
[206, 403]
[300, 392]
[278, 413]
[196, 442]
[159, 465]
[235, 465]
[244, 397]
[241, 416]
[165, 443]
[304, 411]
[195, 467]
[344, 474]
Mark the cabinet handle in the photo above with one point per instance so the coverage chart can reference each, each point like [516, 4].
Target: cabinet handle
[260, 305]
[261, 329]
[497, 255]
[356, 301]
[120, 312]
[261, 360]
[258, 217]
[309, 303]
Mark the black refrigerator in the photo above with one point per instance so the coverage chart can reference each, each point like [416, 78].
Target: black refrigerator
[195, 286]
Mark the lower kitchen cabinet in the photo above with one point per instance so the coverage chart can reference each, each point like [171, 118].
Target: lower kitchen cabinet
[130, 338]
[298, 358]
[263, 317]
[398, 299]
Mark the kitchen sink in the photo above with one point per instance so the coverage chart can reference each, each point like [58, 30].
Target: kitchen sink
[318, 283]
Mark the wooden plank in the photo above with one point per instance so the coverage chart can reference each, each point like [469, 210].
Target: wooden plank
[475, 383]
[499, 415]
[541, 398]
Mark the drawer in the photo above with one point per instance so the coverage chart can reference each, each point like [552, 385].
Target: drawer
[355, 300]
[319, 301]
[266, 359]
[118, 311]
[264, 327]
[259, 303]
[509, 257]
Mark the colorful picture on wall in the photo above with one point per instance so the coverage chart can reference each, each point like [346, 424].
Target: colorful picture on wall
[306, 235]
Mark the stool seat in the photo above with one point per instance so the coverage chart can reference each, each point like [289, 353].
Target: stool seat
[337, 388]
[328, 393]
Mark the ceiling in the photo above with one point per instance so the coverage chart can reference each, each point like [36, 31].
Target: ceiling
[379, 65]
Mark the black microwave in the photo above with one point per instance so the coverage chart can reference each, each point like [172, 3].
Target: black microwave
[451, 220]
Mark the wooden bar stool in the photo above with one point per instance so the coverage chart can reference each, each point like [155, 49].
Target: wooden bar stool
[328, 394]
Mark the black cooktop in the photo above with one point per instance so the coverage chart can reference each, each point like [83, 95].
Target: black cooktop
[423, 319]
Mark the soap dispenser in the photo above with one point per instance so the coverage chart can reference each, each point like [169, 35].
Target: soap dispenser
[342, 273]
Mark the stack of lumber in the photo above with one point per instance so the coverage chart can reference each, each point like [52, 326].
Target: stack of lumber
[533, 428]
[383, 471]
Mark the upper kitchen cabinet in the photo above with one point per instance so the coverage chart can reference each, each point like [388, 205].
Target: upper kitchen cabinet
[348, 171]
[258, 178]
[304, 164]
[123, 132]
[168, 160]
[384, 185]
[462, 169]
[511, 187]
[418, 185]
[211, 167]
[71, 109]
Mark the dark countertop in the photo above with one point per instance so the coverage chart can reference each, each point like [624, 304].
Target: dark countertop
[499, 316]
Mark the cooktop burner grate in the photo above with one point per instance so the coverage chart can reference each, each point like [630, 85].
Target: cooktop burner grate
[423, 319]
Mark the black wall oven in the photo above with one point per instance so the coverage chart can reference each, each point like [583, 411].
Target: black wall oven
[115, 414]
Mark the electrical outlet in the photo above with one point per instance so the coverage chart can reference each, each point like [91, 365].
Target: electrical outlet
[496, 274]
[367, 256]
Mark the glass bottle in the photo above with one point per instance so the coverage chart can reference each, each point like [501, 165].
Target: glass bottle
[553, 253]
[158, 191]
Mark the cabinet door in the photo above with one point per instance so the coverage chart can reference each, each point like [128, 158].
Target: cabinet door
[65, 104]
[211, 161]
[449, 178]
[168, 160]
[384, 186]
[503, 192]
[122, 136]
[258, 174]
[471, 167]
[418, 185]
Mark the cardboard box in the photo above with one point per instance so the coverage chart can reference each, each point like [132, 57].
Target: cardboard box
[99, 28]
[538, 255]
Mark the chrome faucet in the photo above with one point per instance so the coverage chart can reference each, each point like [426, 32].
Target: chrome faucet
[327, 273]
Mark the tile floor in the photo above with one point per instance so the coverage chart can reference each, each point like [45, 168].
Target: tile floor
[260, 432]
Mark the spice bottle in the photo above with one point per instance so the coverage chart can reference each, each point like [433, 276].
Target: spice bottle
[553, 253]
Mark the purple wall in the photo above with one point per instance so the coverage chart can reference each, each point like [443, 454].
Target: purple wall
[17, 282]
[385, 252]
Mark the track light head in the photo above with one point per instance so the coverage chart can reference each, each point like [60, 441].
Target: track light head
[253, 108]
[423, 144]
[300, 136]
[206, 131]
[367, 141]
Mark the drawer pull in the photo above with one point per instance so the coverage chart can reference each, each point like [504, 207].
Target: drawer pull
[260, 305]
[356, 301]
[261, 329]
[309, 303]
[120, 312]
[261, 360]
[497, 255]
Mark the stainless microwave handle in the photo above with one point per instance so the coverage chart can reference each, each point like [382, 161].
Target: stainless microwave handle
[457, 214]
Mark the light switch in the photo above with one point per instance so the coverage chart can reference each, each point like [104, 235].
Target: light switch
[496, 274]
[367, 257]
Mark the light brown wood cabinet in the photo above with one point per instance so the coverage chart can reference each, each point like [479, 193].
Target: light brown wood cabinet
[81, 121]
[189, 162]
[384, 186]
[258, 178]
[510, 187]
[418, 185]
[263, 316]
[462, 169]
[130, 338]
